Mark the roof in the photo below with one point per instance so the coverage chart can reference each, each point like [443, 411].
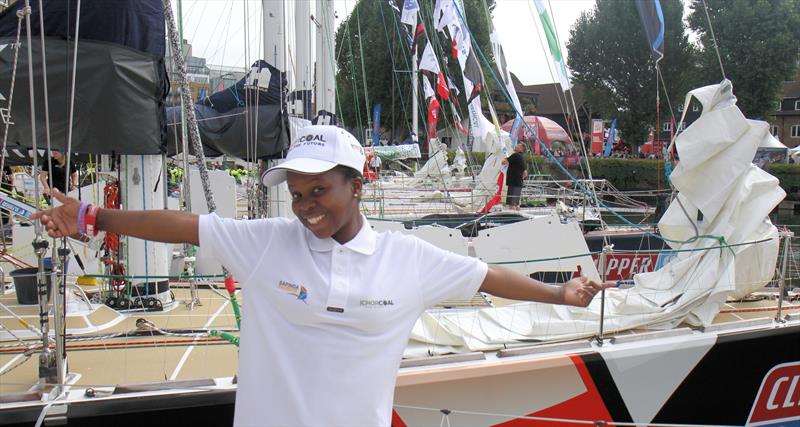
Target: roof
[791, 89]
[548, 95]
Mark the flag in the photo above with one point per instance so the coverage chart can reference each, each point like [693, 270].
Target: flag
[428, 61]
[476, 91]
[612, 132]
[410, 8]
[417, 35]
[452, 86]
[376, 125]
[433, 117]
[394, 6]
[426, 87]
[552, 42]
[502, 70]
[653, 22]
[441, 87]
[457, 120]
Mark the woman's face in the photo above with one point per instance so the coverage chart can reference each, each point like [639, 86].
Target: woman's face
[326, 203]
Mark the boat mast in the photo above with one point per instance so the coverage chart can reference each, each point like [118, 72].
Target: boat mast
[324, 70]
[302, 52]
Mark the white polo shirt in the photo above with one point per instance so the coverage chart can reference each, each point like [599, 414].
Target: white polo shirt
[325, 325]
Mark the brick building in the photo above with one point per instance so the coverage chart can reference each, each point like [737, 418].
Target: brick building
[786, 119]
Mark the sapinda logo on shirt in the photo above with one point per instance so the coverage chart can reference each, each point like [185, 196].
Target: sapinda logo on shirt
[298, 291]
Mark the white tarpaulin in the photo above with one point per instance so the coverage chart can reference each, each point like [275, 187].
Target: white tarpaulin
[723, 204]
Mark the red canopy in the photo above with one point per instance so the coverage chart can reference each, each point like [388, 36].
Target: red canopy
[547, 130]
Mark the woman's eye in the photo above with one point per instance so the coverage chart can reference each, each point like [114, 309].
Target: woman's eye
[295, 196]
[317, 190]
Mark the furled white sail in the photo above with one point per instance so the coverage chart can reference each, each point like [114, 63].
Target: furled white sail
[714, 257]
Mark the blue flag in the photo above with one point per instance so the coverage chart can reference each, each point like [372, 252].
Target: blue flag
[611, 137]
[376, 125]
[515, 129]
[653, 22]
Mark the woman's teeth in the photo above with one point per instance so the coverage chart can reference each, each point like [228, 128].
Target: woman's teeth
[315, 220]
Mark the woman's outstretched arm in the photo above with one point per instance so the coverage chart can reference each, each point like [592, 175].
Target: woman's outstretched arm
[156, 225]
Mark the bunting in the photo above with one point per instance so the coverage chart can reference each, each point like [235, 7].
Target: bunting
[552, 42]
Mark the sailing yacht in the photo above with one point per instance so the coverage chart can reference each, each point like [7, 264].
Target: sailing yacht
[657, 353]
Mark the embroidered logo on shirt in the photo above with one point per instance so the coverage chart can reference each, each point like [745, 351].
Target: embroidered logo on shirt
[298, 291]
[376, 303]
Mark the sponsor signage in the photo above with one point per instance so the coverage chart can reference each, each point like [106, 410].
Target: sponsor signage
[624, 266]
[597, 136]
[778, 400]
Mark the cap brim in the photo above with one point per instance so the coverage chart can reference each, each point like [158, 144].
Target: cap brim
[277, 174]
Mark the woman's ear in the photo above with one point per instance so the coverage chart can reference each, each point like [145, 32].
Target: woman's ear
[358, 185]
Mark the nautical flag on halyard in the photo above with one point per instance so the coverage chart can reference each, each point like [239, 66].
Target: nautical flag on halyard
[502, 68]
[417, 35]
[612, 136]
[376, 125]
[426, 87]
[552, 42]
[410, 8]
[441, 87]
[433, 117]
[428, 61]
[653, 22]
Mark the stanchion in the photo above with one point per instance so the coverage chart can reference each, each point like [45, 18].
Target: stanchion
[787, 242]
[602, 267]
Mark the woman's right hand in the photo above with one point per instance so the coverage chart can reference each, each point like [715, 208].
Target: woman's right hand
[61, 221]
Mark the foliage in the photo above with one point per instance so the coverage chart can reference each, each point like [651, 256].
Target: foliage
[789, 176]
[758, 44]
[373, 60]
[609, 55]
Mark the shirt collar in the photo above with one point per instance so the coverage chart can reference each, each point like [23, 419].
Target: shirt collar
[364, 241]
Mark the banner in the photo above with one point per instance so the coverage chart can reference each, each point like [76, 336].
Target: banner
[376, 125]
[597, 136]
[611, 138]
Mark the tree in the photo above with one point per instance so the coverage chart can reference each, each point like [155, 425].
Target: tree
[374, 60]
[758, 45]
[610, 56]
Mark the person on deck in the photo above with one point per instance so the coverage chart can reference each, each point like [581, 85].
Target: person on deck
[330, 302]
[515, 175]
[59, 174]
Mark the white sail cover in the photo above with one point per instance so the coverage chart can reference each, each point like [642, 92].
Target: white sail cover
[715, 176]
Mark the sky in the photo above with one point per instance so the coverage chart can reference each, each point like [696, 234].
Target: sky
[219, 31]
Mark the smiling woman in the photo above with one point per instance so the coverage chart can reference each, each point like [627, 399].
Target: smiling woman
[331, 303]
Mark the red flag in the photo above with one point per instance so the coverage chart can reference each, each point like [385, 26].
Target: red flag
[419, 31]
[433, 117]
[454, 48]
[475, 92]
[441, 87]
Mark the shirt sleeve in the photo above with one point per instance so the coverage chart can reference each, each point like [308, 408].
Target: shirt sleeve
[445, 275]
[238, 244]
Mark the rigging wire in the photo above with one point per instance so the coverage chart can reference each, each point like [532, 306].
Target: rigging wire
[714, 39]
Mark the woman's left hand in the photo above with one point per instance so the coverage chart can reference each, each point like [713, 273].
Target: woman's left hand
[580, 291]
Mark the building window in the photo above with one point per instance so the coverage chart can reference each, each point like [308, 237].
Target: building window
[778, 105]
[795, 131]
[695, 106]
[667, 127]
[773, 130]
[797, 105]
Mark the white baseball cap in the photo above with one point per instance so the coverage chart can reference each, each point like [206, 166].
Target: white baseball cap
[318, 149]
